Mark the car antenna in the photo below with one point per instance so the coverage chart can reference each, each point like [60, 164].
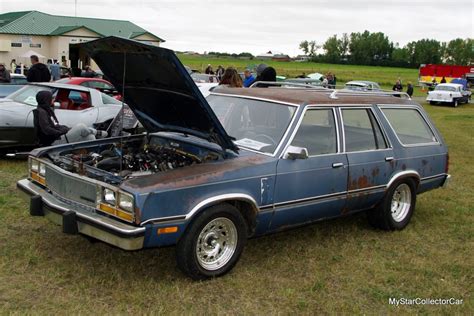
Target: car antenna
[122, 110]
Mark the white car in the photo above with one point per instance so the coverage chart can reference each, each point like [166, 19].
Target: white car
[73, 104]
[451, 93]
[362, 85]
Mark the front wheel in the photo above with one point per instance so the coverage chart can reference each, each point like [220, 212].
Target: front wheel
[213, 243]
[396, 209]
[455, 102]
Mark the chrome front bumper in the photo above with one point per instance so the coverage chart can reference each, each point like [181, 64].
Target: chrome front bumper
[74, 219]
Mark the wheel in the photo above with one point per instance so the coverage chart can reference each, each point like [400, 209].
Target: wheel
[396, 209]
[455, 102]
[213, 243]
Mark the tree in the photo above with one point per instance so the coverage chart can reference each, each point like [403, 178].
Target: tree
[459, 51]
[331, 47]
[309, 48]
[425, 51]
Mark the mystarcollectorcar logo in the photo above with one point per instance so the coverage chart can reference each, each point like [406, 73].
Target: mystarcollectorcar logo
[424, 301]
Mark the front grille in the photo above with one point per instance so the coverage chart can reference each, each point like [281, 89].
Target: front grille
[71, 188]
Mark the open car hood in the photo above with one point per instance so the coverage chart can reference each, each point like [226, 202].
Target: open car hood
[157, 87]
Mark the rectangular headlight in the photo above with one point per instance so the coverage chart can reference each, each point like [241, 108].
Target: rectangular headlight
[125, 202]
[42, 169]
[34, 165]
[108, 196]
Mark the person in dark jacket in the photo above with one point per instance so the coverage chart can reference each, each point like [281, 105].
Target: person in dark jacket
[48, 128]
[410, 89]
[38, 72]
[4, 74]
[269, 75]
[50, 132]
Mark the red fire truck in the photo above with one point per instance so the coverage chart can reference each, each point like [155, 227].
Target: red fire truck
[429, 73]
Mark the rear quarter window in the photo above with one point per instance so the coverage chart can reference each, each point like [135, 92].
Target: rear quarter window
[410, 126]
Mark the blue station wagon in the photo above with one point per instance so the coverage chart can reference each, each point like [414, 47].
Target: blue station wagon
[210, 173]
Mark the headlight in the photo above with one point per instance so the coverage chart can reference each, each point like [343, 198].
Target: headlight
[34, 165]
[109, 196]
[126, 202]
[42, 169]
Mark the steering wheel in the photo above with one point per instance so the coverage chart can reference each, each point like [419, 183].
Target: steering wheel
[268, 138]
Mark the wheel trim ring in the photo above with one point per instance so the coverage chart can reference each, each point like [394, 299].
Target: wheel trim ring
[216, 243]
[401, 202]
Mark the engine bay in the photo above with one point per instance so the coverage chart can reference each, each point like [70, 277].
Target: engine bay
[119, 161]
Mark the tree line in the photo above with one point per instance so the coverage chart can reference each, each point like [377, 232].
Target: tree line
[376, 49]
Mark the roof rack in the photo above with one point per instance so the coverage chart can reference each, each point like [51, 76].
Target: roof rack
[286, 84]
[335, 93]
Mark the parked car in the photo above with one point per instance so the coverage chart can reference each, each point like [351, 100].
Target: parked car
[451, 93]
[17, 81]
[96, 83]
[362, 85]
[203, 78]
[74, 104]
[246, 162]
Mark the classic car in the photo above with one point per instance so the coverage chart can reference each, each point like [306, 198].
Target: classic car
[17, 82]
[73, 104]
[245, 162]
[451, 93]
[362, 85]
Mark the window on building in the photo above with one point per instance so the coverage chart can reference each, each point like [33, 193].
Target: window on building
[362, 131]
[35, 45]
[17, 45]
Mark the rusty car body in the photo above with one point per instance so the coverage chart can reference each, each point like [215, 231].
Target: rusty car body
[293, 157]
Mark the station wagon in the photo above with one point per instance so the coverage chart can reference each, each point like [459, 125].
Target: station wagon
[211, 173]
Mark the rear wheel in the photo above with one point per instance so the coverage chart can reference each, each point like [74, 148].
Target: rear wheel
[213, 243]
[396, 209]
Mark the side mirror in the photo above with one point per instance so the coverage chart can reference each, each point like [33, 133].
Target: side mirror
[294, 152]
[57, 105]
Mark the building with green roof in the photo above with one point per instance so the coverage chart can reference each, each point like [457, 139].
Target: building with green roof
[49, 36]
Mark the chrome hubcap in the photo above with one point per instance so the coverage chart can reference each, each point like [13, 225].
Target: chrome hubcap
[401, 202]
[216, 243]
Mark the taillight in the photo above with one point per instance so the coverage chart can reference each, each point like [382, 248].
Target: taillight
[446, 169]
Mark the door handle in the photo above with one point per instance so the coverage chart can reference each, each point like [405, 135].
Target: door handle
[337, 165]
[389, 158]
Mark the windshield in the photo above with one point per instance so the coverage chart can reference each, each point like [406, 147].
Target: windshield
[445, 88]
[256, 125]
[27, 94]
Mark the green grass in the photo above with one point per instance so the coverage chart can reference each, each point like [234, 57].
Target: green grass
[385, 76]
[337, 266]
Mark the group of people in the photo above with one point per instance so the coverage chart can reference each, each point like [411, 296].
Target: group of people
[39, 72]
[231, 78]
[398, 87]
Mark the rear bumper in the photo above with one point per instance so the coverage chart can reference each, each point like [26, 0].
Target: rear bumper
[75, 220]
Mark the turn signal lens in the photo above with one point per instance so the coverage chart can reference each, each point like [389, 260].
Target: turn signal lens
[167, 230]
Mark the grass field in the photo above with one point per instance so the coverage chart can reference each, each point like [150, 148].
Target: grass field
[385, 76]
[338, 266]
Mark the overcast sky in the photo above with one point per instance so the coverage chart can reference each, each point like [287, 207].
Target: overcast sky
[278, 25]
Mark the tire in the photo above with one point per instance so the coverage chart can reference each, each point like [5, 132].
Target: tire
[213, 243]
[396, 209]
[455, 103]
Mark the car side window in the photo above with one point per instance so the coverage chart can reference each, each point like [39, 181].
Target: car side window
[361, 130]
[410, 126]
[317, 132]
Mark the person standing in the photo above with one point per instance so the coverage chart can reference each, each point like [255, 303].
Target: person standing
[209, 70]
[249, 78]
[13, 66]
[443, 80]
[409, 89]
[398, 86]
[231, 78]
[55, 70]
[4, 74]
[38, 72]
[220, 72]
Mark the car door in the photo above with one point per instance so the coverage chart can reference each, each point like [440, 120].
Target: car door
[369, 155]
[313, 188]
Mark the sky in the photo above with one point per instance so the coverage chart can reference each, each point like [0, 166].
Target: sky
[276, 25]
